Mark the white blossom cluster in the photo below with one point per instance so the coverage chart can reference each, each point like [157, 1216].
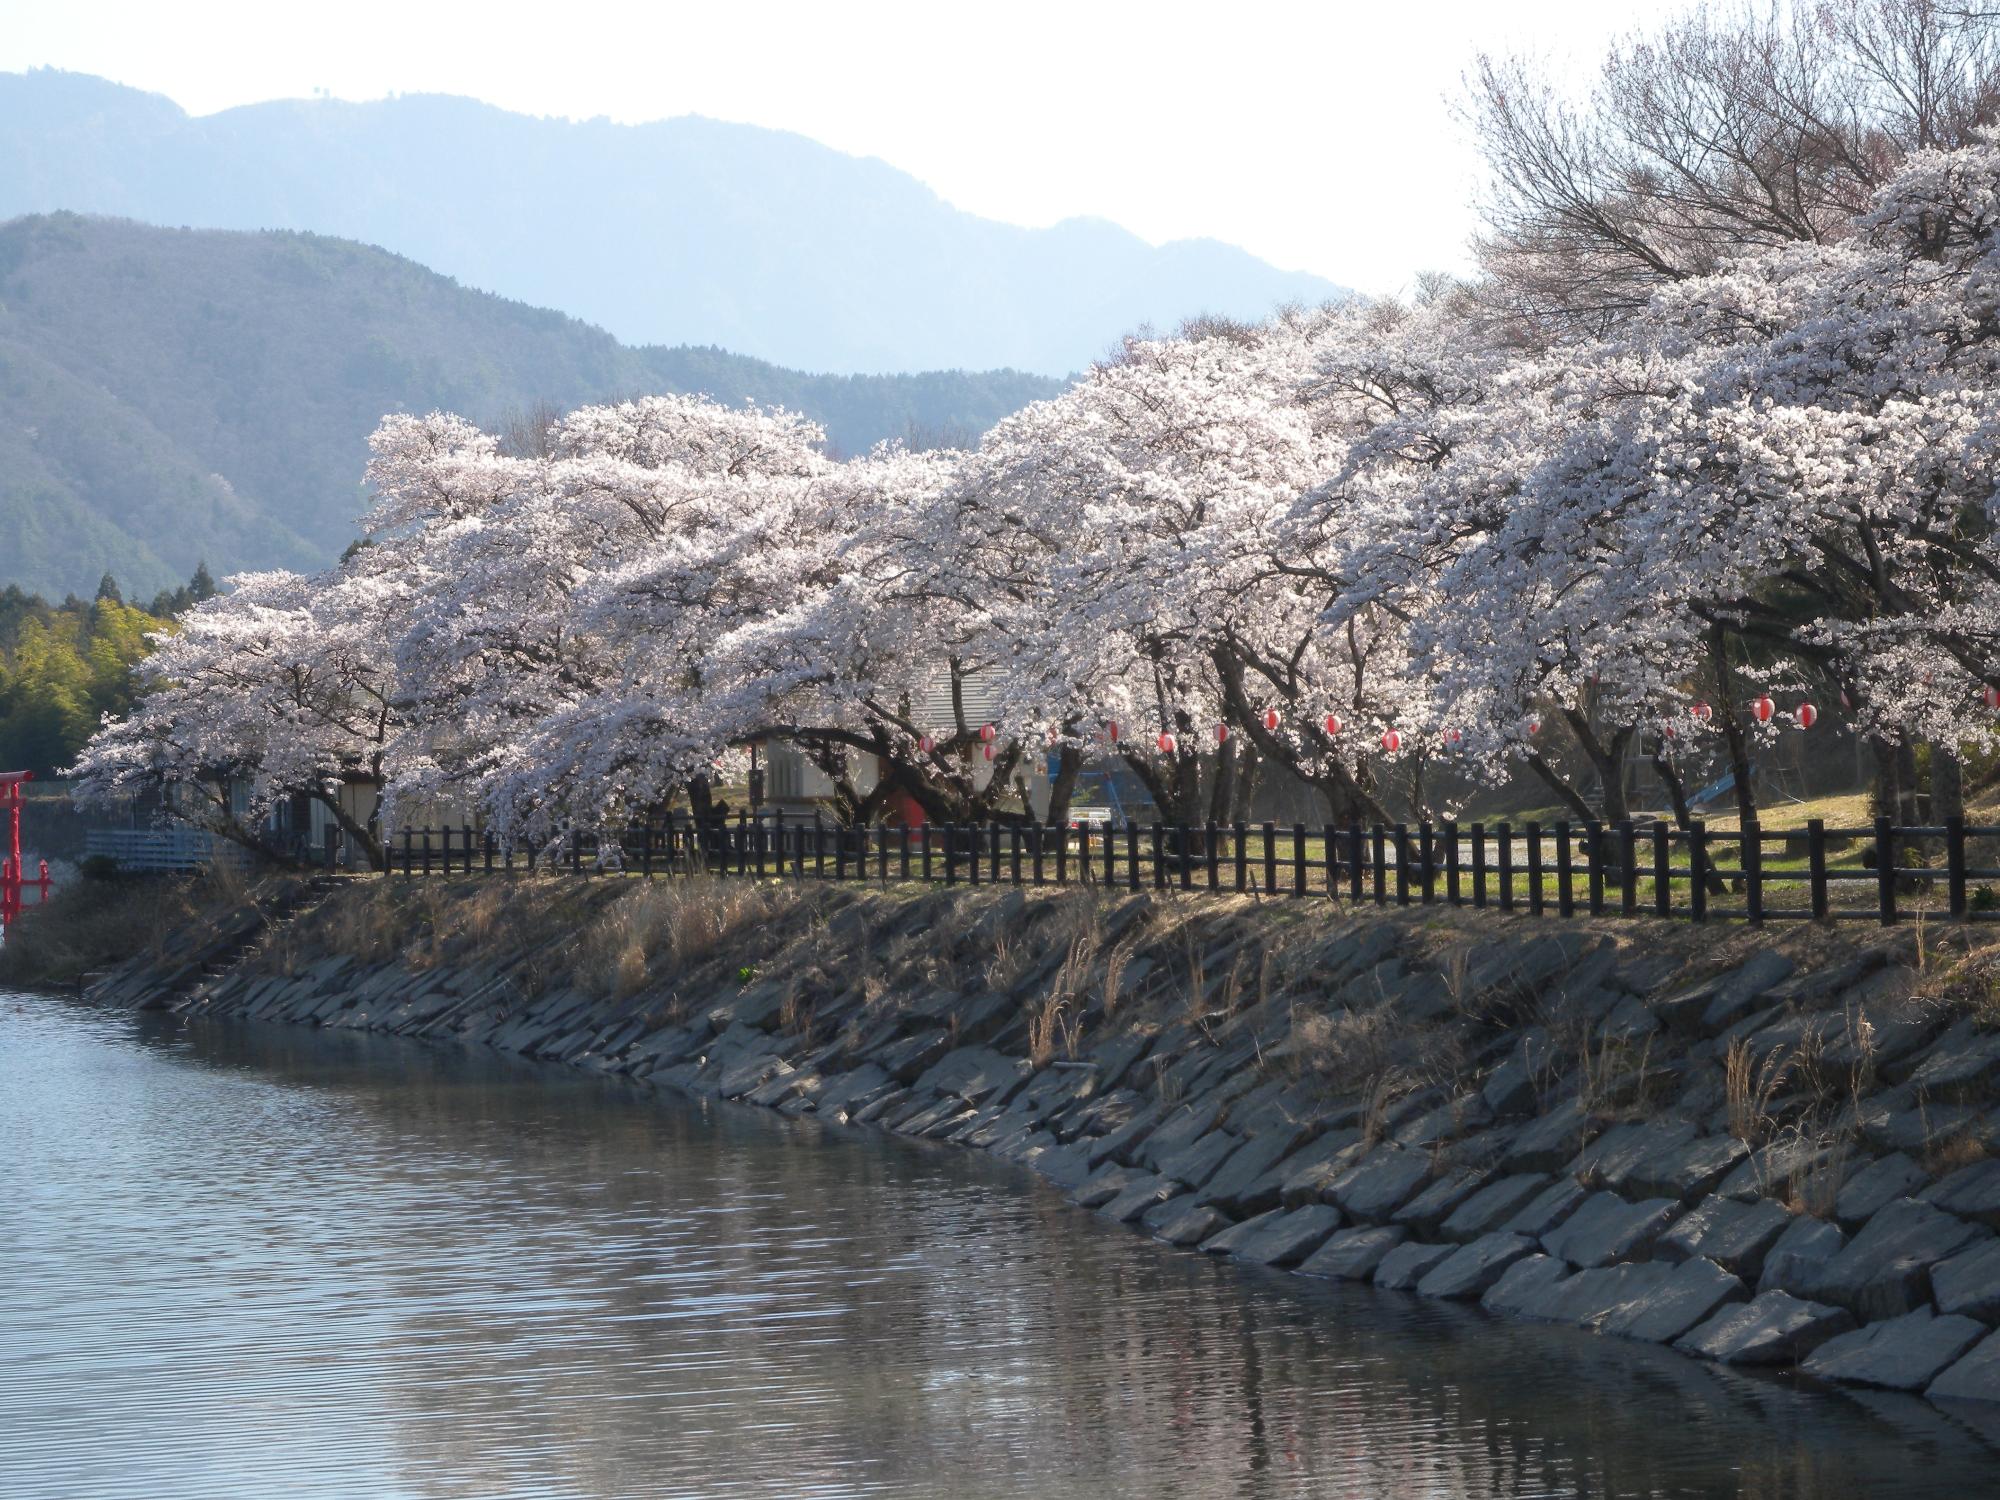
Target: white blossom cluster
[1358, 540]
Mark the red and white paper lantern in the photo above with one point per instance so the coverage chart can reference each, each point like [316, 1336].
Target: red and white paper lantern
[1270, 721]
[1332, 725]
[1222, 734]
[1167, 743]
[986, 733]
[926, 744]
[1111, 731]
[1702, 712]
[988, 751]
[1808, 716]
[1762, 709]
[1391, 741]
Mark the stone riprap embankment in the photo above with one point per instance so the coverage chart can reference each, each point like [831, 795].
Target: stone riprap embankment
[1771, 1151]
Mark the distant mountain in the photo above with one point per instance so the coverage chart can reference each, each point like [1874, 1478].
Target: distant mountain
[173, 395]
[685, 231]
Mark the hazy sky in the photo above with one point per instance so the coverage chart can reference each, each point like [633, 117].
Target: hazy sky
[1317, 136]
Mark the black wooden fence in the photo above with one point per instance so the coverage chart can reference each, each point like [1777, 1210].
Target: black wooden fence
[1755, 874]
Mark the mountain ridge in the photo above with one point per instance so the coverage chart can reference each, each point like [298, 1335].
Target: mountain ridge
[701, 231]
[169, 396]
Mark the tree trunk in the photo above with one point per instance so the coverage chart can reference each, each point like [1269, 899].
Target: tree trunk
[1947, 782]
[1732, 728]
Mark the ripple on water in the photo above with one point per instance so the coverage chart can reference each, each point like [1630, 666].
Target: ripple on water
[252, 1261]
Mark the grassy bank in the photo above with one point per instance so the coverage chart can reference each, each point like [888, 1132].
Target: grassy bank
[92, 925]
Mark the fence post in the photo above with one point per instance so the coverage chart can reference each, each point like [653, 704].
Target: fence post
[950, 853]
[1816, 866]
[903, 851]
[1298, 859]
[819, 847]
[1565, 878]
[1380, 849]
[1594, 852]
[1698, 870]
[1270, 859]
[1036, 851]
[1211, 856]
[1954, 860]
[975, 839]
[1479, 865]
[1131, 854]
[1402, 864]
[1427, 862]
[1014, 851]
[1628, 868]
[1242, 837]
[1331, 853]
[1182, 851]
[1885, 871]
[1157, 839]
[1663, 869]
[1355, 876]
[1750, 840]
[467, 831]
[1110, 853]
[993, 865]
[1062, 852]
[427, 851]
[880, 835]
[575, 853]
[487, 840]
[1452, 891]
[1503, 838]
[1537, 897]
[407, 853]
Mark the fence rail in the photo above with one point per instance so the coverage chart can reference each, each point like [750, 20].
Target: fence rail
[161, 848]
[1699, 874]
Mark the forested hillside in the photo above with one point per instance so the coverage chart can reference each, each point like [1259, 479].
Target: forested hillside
[169, 396]
[64, 666]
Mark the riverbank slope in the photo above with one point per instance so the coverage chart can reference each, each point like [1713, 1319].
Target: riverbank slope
[1769, 1149]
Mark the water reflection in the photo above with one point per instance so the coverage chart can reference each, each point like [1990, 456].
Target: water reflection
[244, 1260]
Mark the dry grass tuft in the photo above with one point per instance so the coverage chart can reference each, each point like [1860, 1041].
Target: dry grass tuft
[1749, 1087]
[679, 923]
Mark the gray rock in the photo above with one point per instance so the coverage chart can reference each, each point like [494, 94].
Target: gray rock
[848, 1091]
[1447, 1122]
[1182, 1221]
[1553, 1141]
[1065, 1166]
[1182, 1126]
[1631, 1019]
[1885, 1269]
[1962, 1060]
[1770, 1170]
[1586, 1298]
[976, 1075]
[1435, 1203]
[1721, 1001]
[1527, 1280]
[1876, 1185]
[1607, 1228]
[1690, 1294]
[1610, 1159]
[1976, 1377]
[908, 1058]
[1971, 1192]
[1121, 1143]
[1509, 1090]
[1492, 1205]
[1688, 1171]
[1374, 1186]
[1736, 1236]
[1795, 1261]
[1225, 1240]
[1195, 1163]
[1471, 1269]
[1898, 1354]
[1773, 1328]
[1288, 1236]
[1403, 1267]
[1895, 1122]
[1245, 1167]
[1353, 1254]
[1139, 1197]
[1969, 1282]
[1548, 1208]
[1269, 1188]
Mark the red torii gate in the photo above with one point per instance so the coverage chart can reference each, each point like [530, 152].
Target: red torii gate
[12, 881]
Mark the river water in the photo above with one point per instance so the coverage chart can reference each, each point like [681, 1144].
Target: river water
[250, 1261]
